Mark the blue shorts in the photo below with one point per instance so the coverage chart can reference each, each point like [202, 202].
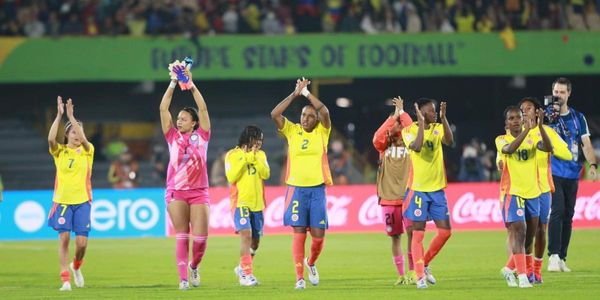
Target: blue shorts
[424, 206]
[70, 217]
[545, 202]
[517, 209]
[306, 207]
[243, 219]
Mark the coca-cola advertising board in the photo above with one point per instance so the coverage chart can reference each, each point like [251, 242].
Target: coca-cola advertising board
[354, 208]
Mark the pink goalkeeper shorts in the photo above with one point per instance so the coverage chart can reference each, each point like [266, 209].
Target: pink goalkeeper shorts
[196, 196]
[393, 220]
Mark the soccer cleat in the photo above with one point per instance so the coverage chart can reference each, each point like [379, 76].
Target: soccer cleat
[412, 277]
[554, 263]
[401, 280]
[538, 279]
[66, 287]
[195, 276]
[238, 271]
[248, 280]
[422, 283]
[77, 276]
[531, 277]
[509, 276]
[563, 266]
[300, 284]
[429, 276]
[184, 285]
[524, 281]
[313, 274]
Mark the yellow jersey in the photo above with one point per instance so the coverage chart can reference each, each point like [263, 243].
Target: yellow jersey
[73, 182]
[427, 172]
[559, 149]
[307, 163]
[520, 175]
[245, 172]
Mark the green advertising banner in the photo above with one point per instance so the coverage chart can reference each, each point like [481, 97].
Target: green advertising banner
[313, 56]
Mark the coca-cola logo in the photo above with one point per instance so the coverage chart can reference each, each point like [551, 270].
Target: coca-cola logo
[588, 208]
[370, 212]
[337, 211]
[273, 213]
[469, 209]
[220, 214]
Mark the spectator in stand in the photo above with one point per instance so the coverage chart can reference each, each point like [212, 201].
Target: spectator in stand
[124, 172]
[217, 170]
[339, 160]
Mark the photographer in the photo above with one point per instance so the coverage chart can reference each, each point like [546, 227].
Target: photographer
[572, 128]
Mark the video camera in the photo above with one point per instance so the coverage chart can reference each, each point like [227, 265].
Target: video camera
[551, 108]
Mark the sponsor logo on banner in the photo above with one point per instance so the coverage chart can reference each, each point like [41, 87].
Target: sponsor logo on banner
[370, 212]
[30, 216]
[468, 209]
[587, 208]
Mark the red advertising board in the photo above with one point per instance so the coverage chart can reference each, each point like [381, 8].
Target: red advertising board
[353, 208]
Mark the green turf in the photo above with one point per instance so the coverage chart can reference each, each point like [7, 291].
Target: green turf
[352, 266]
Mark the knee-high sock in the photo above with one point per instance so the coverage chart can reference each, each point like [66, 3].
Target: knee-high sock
[520, 263]
[529, 263]
[198, 249]
[182, 252]
[246, 264]
[298, 253]
[399, 262]
[316, 247]
[537, 266]
[417, 251]
[511, 262]
[65, 276]
[77, 263]
[436, 244]
[409, 256]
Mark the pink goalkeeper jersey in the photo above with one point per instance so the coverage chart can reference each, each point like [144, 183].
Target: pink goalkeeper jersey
[187, 159]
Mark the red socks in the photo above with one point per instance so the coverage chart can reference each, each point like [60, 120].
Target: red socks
[65, 276]
[315, 250]
[417, 252]
[298, 253]
[246, 264]
[436, 244]
[77, 263]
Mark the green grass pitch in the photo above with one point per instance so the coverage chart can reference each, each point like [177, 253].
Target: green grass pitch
[352, 266]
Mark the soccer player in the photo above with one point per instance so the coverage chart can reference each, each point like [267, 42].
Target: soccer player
[186, 193]
[529, 106]
[392, 180]
[246, 168]
[519, 185]
[427, 200]
[306, 177]
[72, 192]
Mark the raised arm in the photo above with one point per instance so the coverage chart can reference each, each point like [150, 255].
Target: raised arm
[546, 144]
[512, 147]
[54, 128]
[202, 109]
[381, 136]
[277, 112]
[448, 135]
[417, 144]
[166, 120]
[78, 129]
[322, 110]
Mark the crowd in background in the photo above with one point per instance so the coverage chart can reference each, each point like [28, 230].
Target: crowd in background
[193, 18]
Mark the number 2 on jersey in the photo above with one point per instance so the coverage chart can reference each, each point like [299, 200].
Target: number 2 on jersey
[305, 144]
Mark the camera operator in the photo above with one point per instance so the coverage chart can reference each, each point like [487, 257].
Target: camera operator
[572, 128]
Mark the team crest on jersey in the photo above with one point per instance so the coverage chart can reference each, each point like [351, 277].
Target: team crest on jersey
[409, 136]
[388, 228]
[194, 137]
[520, 212]
[294, 217]
[78, 151]
[436, 132]
[61, 221]
[243, 221]
[418, 212]
[529, 141]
